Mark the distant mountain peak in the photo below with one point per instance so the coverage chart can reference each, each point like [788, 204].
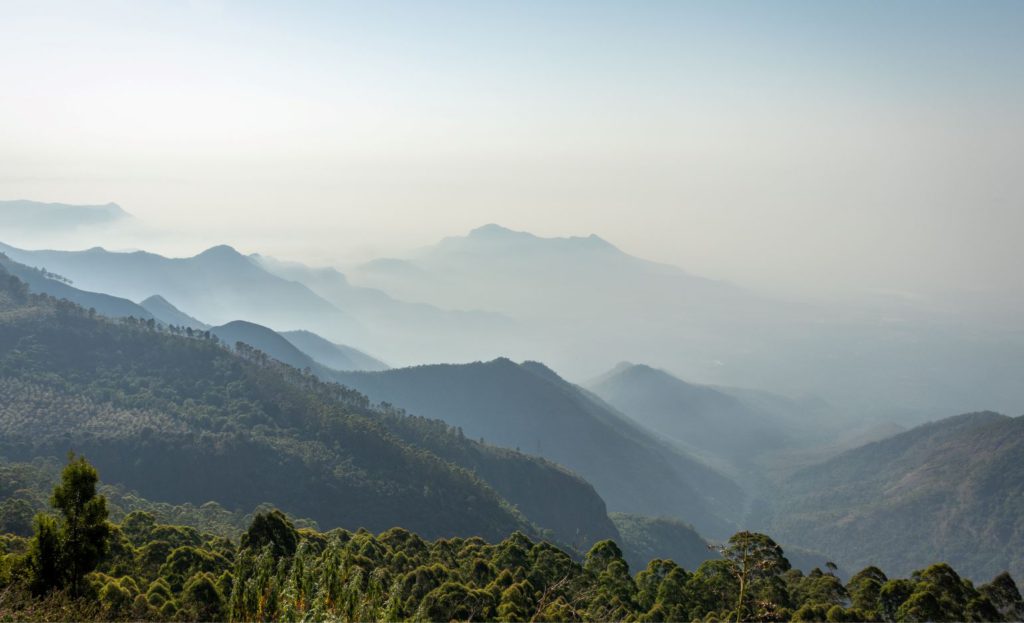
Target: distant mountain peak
[221, 249]
[25, 214]
[493, 230]
[222, 252]
[499, 233]
[156, 298]
[625, 368]
[165, 312]
[245, 324]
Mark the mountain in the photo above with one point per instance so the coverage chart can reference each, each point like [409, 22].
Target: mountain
[581, 304]
[33, 215]
[157, 307]
[218, 285]
[271, 343]
[579, 298]
[950, 490]
[182, 419]
[284, 348]
[529, 407]
[697, 416]
[647, 538]
[41, 281]
[168, 314]
[488, 265]
[400, 330]
[335, 356]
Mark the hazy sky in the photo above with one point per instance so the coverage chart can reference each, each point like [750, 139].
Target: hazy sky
[868, 146]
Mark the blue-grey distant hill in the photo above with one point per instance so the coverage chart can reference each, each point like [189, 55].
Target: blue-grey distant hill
[335, 356]
[698, 416]
[584, 304]
[27, 215]
[287, 349]
[218, 285]
[404, 330]
[165, 312]
[45, 282]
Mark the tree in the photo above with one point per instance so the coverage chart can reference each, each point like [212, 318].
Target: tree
[85, 530]
[752, 556]
[44, 555]
[864, 588]
[1002, 592]
[202, 599]
[274, 529]
[61, 553]
[892, 595]
[919, 607]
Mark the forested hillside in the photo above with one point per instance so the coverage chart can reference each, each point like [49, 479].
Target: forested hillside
[529, 407]
[951, 490]
[646, 538]
[182, 419]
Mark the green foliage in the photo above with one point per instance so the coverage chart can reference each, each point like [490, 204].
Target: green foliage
[84, 529]
[281, 573]
[201, 598]
[272, 530]
[645, 539]
[1004, 595]
[864, 589]
[44, 555]
[753, 559]
[63, 551]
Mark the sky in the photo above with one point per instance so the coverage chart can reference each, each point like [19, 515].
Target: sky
[815, 147]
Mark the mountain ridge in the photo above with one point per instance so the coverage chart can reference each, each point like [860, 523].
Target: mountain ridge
[951, 489]
[529, 407]
[185, 420]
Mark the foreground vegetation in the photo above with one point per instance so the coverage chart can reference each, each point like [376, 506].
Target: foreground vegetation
[77, 565]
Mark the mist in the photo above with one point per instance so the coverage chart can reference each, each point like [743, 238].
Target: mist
[740, 142]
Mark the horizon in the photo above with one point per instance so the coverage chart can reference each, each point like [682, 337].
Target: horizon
[763, 145]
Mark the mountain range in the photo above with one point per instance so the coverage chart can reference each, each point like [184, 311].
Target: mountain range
[184, 419]
[581, 304]
[245, 379]
[529, 407]
[584, 304]
[218, 285]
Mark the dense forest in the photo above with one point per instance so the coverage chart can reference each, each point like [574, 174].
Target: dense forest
[78, 565]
